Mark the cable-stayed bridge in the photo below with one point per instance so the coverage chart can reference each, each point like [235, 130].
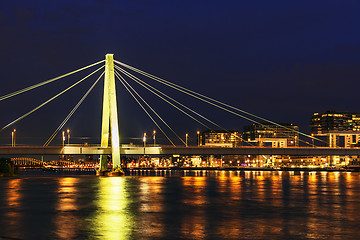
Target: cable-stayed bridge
[110, 134]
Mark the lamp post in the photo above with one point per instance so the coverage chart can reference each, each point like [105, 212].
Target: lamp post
[68, 135]
[186, 139]
[154, 133]
[144, 140]
[312, 138]
[63, 138]
[198, 137]
[13, 138]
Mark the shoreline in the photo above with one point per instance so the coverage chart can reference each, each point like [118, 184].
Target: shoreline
[89, 171]
[248, 169]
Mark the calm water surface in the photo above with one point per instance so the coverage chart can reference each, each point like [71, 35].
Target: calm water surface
[182, 205]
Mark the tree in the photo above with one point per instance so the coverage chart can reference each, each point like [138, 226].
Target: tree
[6, 167]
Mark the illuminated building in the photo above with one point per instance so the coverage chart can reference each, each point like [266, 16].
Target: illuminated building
[332, 121]
[336, 124]
[219, 138]
[277, 136]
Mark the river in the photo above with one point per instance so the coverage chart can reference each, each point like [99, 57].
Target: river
[182, 205]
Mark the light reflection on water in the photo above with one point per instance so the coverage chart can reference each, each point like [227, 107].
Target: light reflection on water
[151, 198]
[66, 221]
[194, 205]
[12, 203]
[112, 220]
[193, 226]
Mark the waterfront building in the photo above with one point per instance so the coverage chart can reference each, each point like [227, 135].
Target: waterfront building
[221, 138]
[265, 133]
[337, 125]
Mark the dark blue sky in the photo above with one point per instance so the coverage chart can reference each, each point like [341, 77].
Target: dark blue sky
[282, 60]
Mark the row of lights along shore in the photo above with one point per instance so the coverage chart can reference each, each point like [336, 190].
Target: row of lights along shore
[186, 138]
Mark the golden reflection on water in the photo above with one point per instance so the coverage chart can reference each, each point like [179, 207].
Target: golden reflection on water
[193, 226]
[235, 187]
[151, 206]
[67, 224]
[67, 193]
[112, 219]
[13, 193]
[231, 188]
[13, 203]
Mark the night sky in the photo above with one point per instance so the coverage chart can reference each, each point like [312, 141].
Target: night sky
[282, 60]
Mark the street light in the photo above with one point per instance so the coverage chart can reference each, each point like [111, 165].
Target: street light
[198, 137]
[144, 139]
[68, 135]
[13, 138]
[312, 138]
[63, 138]
[154, 133]
[186, 139]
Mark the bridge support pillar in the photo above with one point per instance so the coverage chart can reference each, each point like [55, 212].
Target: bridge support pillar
[110, 126]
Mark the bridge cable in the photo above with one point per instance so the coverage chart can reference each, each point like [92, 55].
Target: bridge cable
[179, 109]
[123, 81]
[249, 119]
[151, 76]
[186, 91]
[49, 100]
[182, 90]
[142, 83]
[175, 107]
[46, 82]
[203, 97]
[71, 113]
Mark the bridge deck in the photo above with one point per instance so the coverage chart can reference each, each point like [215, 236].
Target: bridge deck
[168, 150]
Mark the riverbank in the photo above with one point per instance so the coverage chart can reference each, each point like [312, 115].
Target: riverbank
[329, 169]
[161, 171]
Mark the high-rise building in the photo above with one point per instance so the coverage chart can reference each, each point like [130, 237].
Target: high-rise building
[220, 138]
[336, 124]
[279, 136]
[335, 121]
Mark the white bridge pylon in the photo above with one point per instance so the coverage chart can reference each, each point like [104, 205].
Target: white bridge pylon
[110, 117]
